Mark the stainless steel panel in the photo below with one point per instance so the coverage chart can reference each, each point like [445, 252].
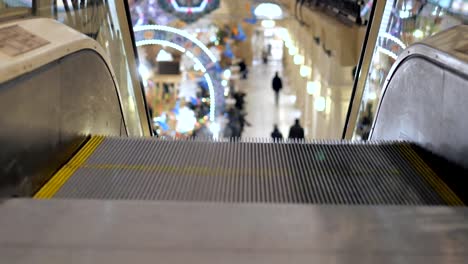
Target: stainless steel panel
[47, 113]
[108, 24]
[85, 231]
[426, 30]
[424, 100]
[411, 107]
[453, 141]
[89, 101]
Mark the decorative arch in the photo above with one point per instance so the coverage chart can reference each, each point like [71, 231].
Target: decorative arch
[194, 49]
[189, 11]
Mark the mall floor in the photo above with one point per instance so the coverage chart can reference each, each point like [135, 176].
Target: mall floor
[260, 102]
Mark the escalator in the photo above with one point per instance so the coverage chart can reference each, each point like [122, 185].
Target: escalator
[101, 196]
[384, 173]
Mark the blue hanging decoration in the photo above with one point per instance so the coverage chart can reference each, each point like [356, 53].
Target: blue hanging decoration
[218, 68]
[240, 34]
[176, 108]
[161, 121]
[164, 126]
[203, 84]
[228, 52]
[251, 20]
[194, 101]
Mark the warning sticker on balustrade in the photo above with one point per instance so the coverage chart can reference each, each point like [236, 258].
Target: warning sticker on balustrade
[15, 40]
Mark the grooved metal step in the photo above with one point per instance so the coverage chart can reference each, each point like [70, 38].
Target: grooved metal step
[319, 172]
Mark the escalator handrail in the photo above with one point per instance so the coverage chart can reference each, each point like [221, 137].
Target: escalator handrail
[440, 50]
[62, 42]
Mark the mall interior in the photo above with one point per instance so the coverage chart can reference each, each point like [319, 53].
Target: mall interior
[233, 131]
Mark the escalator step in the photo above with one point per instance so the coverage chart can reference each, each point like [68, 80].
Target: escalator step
[339, 172]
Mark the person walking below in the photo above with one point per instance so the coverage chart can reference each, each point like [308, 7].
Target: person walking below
[276, 134]
[296, 131]
[277, 85]
[265, 56]
[243, 69]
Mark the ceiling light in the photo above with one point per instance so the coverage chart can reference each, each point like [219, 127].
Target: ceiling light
[268, 10]
[298, 59]
[313, 88]
[419, 34]
[293, 50]
[268, 23]
[305, 71]
[320, 104]
[227, 74]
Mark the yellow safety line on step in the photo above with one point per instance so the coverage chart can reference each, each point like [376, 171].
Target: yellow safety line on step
[431, 177]
[61, 177]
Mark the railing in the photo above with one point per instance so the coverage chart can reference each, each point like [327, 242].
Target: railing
[351, 10]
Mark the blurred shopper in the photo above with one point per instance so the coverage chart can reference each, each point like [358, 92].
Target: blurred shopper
[265, 56]
[236, 123]
[296, 131]
[276, 134]
[243, 122]
[277, 85]
[243, 69]
[234, 127]
[240, 101]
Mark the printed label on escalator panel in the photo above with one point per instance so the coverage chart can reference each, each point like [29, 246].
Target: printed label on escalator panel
[15, 40]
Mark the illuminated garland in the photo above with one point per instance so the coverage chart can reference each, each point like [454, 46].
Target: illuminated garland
[194, 49]
[189, 10]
